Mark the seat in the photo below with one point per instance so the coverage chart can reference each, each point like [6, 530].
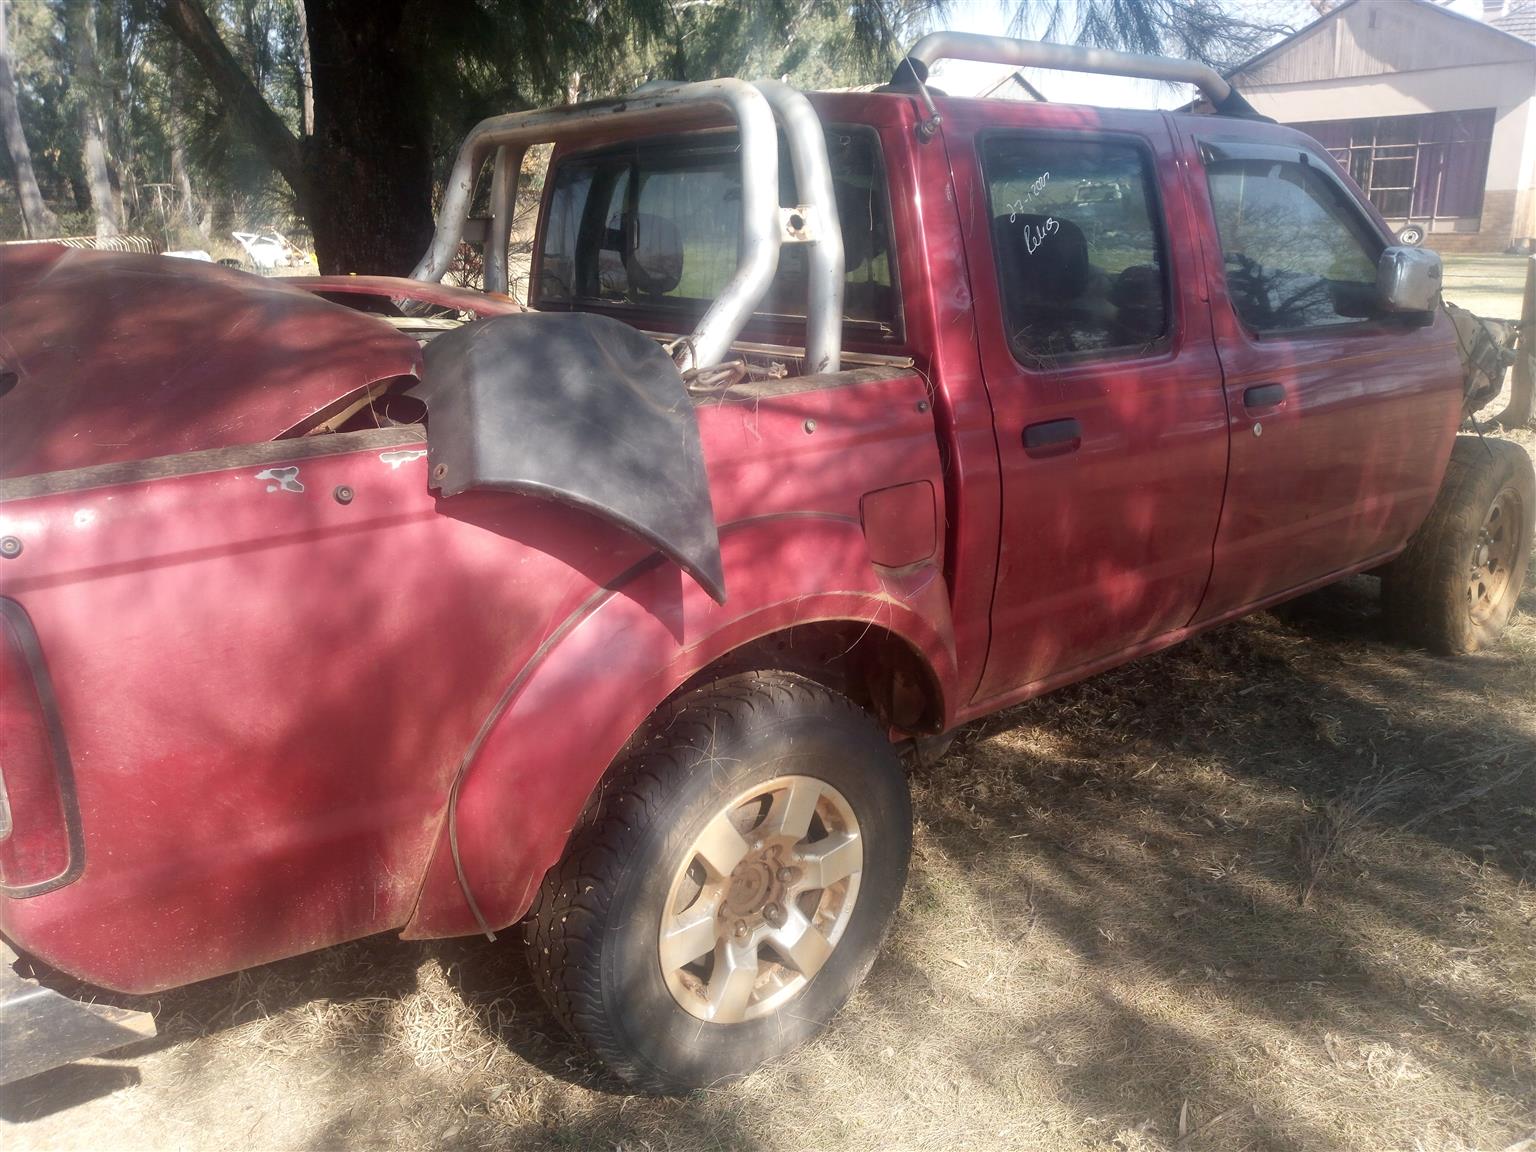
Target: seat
[1047, 281]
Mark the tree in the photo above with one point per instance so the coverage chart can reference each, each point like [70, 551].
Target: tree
[1206, 30]
[389, 86]
[382, 72]
[35, 214]
[80, 22]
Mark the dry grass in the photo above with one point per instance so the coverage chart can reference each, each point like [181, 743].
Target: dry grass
[1270, 890]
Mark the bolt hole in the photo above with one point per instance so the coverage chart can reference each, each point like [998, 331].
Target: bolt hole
[8, 380]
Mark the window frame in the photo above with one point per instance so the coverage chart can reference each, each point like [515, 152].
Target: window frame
[888, 333]
[1222, 151]
[1157, 210]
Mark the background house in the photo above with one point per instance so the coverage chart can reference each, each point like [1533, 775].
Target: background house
[1430, 111]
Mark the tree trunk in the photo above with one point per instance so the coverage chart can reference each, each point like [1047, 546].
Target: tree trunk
[80, 28]
[35, 216]
[242, 100]
[186, 204]
[307, 70]
[364, 179]
[369, 163]
[112, 64]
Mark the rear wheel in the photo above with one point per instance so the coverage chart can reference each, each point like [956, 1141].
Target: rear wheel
[732, 886]
[1455, 587]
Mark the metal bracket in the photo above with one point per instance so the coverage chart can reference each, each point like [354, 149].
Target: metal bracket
[799, 224]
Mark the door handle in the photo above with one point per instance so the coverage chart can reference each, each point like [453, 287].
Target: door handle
[1053, 438]
[1263, 396]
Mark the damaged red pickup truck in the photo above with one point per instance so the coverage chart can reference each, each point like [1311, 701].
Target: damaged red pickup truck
[835, 422]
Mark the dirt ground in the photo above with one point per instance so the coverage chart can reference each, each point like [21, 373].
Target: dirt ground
[1103, 946]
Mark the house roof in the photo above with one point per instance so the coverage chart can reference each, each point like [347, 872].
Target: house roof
[1519, 20]
[1521, 13]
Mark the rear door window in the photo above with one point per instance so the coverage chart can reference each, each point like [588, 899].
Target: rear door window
[1078, 241]
[657, 226]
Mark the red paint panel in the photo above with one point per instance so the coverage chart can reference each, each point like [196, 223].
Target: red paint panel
[265, 692]
[398, 288]
[794, 553]
[1107, 545]
[124, 357]
[1346, 466]
[515, 813]
[899, 524]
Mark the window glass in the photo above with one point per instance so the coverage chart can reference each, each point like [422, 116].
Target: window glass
[659, 225]
[1078, 247]
[1296, 254]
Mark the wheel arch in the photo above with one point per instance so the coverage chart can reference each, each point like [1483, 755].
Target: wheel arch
[882, 636]
[876, 667]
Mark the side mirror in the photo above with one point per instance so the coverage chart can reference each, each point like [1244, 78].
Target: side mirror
[1408, 279]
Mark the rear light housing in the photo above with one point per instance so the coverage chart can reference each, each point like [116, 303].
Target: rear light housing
[41, 846]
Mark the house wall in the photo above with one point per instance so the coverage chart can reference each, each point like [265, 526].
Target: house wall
[1509, 205]
[1390, 58]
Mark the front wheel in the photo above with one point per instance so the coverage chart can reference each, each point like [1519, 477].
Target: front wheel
[1456, 585]
[732, 886]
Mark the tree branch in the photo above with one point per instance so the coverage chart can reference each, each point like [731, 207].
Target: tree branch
[190, 24]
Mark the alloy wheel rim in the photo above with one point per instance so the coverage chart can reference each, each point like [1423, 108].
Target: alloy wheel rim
[761, 899]
[1494, 554]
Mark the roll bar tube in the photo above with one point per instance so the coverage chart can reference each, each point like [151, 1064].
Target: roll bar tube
[1067, 58]
[652, 109]
[813, 186]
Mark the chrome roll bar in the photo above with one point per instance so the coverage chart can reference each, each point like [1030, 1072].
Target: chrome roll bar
[820, 228]
[1067, 58]
[652, 109]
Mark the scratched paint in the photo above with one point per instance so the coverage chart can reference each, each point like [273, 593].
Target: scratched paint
[401, 456]
[283, 479]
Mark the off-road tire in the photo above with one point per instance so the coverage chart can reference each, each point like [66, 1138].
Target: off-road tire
[591, 936]
[1425, 590]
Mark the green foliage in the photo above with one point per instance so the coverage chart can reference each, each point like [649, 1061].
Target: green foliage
[1206, 30]
[474, 58]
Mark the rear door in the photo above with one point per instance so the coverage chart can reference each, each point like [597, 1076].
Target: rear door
[1103, 378]
[1340, 417]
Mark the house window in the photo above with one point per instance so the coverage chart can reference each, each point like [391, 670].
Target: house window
[1414, 167]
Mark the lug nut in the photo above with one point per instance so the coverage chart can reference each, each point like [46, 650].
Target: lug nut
[773, 914]
[741, 929]
[785, 875]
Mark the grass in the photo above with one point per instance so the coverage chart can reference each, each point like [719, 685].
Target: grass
[1272, 889]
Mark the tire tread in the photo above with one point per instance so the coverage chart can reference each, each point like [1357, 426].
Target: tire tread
[1421, 591]
[562, 932]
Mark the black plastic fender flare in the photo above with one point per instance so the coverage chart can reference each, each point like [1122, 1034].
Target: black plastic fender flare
[576, 408]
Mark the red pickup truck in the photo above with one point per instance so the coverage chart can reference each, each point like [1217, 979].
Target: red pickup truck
[337, 606]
